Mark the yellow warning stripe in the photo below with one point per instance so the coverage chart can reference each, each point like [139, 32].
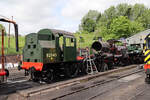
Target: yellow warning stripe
[146, 58]
[148, 62]
[147, 51]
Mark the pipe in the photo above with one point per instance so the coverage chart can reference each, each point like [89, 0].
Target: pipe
[3, 51]
[100, 46]
[16, 37]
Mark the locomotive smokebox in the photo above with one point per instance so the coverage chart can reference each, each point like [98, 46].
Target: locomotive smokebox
[100, 46]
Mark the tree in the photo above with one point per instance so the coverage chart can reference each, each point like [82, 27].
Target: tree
[123, 27]
[145, 19]
[118, 21]
[123, 10]
[110, 13]
[136, 27]
[89, 25]
[88, 22]
[137, 11]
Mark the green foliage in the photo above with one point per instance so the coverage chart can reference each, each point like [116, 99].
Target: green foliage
[118, 21]
[145, 18]
[120, 27]
[123, 10]
[89, 25]
[88, 40]
[137, 11]
[88, 22]
[136, 27]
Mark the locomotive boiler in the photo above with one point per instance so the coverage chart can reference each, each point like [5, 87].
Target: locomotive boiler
[103, 57]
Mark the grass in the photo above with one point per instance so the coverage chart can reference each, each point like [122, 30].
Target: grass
[87, 40]
[11, 49]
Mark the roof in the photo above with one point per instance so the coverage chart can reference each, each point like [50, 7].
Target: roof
[138, 38]
[61, 32]
[56, 31]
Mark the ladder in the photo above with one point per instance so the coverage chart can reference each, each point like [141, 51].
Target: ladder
[90, 64]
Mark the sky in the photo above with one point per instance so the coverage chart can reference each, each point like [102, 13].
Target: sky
[33, 15]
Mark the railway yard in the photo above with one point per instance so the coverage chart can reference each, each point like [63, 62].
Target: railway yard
[107, 58]
[123, 83]
[50, 70]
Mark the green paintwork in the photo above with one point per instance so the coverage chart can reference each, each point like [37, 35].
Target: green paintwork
[32, 50]
[134, 49]
[44, 47]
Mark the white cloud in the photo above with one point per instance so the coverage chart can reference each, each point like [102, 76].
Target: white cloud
[31, 15]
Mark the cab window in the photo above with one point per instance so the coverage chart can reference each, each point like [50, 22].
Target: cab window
[46, 37]
[70, 42]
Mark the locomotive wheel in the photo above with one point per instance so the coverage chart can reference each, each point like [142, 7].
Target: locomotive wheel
[33, 74]
[83, 68]
[72, 71]
[104, 67]
[147, 79]
[98, 65]
[7, 72]
[48, 76]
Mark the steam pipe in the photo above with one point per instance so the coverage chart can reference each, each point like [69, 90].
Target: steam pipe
[100, 46]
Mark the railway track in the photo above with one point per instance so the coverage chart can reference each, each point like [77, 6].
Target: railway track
[94, 85]
[26, 89]
[21, 86]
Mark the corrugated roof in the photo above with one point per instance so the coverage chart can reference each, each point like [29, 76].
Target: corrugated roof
[138, 38]
[146, 32]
